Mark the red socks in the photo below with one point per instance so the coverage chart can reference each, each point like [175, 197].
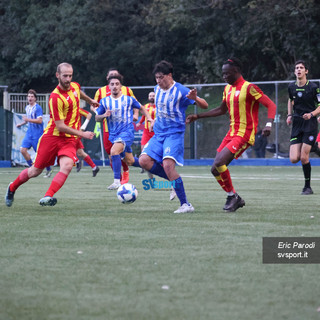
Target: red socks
[22, 178]
[57, 182]
[224, 179]
[89, 161]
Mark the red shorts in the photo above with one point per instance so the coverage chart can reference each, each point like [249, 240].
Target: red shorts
[106, 142]
[237, 145]
[79, 144]
[146, 136]
[50, 147]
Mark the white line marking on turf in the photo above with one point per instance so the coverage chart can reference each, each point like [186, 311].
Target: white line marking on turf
[250, 178]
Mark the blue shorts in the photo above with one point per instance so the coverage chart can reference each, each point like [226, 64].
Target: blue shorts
[168, 147]
[127, 145]
[27, 142]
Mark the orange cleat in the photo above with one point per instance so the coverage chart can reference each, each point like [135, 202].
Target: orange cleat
[125, 177]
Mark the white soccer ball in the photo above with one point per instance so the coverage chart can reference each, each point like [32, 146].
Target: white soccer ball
[127, 193]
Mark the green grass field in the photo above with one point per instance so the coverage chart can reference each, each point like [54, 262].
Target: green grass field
[91, 257]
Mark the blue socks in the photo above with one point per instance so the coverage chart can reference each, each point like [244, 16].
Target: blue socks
[136, 162]
[158, 170]
[116, 165]
[179, 189]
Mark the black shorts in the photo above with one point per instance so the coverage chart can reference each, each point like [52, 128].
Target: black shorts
[304, 137]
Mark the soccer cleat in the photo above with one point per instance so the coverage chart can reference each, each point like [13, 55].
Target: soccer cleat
[172, 194]
[185, 208]
[114, 186]
[306, 191]
[95, 171]
[233, 203]
[48, 201]
[48, 173]
[125, 177]
[9, 196]
[79, 165]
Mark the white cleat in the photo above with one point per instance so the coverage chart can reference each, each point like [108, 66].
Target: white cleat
[172, 194]
[114, 186]
[48, 201]
[185, 208]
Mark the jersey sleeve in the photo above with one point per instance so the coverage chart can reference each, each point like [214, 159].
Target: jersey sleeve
[56, 108]
[255, 92]
[101, 109]
[135, 103]
[131, 94]
[39, 112]
[83, 112]
[97, 96]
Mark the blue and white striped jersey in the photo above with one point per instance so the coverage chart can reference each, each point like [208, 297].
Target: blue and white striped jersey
[121, 116]
[35, 130]
[171, 105]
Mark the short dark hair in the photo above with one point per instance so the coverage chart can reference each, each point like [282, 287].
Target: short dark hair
[301, 62]
[31, 91]
[164, 67]
[233, 61]
[111, 69]
[118, 77]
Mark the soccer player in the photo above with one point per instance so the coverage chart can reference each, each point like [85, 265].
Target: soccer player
[151, 108]
[147, 134]
[100, 94]
[166, 148]
[118, 109]
[59, 137]
[81, 154]
[241, 99]
[303, 108]
[35, 128]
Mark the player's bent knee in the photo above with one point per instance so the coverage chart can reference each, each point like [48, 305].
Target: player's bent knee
[294, 159]
[145, 161]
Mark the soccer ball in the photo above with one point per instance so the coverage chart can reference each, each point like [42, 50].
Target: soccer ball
[127, 193]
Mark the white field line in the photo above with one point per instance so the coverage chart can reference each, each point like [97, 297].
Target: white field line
[234, 177]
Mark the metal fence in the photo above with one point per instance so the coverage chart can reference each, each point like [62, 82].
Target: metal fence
[204, 136]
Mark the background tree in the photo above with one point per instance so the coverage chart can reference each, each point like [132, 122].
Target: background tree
[132, 35]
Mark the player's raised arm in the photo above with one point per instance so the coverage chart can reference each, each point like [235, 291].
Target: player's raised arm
[272, 109]
[222, 109]
[202, 103]
[62, 127]
[89, 100]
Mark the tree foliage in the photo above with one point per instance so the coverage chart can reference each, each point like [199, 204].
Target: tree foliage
[132, 35]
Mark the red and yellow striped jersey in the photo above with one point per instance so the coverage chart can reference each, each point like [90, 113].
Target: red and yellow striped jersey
[151, 108]
[105, 92]
[242, 101]
[83, 112]
[64, 105]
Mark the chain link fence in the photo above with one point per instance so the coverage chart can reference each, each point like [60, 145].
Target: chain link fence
[202, 137]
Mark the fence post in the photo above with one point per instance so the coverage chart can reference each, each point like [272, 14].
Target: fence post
[277, 120]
